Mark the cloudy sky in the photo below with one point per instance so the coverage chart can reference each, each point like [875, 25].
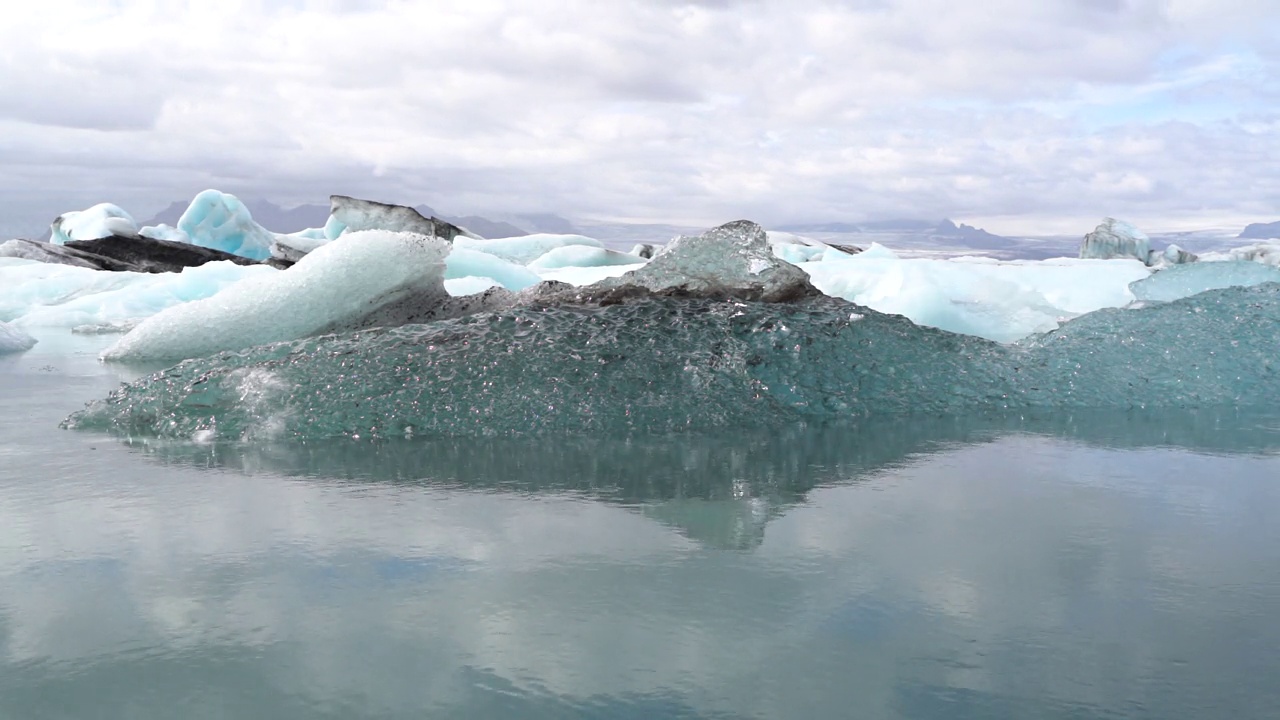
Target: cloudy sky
[1020, 116]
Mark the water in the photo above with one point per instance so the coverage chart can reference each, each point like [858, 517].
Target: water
[1077, 565]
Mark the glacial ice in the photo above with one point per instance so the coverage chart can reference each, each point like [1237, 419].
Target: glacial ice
[166, 232]
[220, 221]
[348, 214]
[1116, 239]
[581, 256]
[1265, 253]
[332, 288]
[13, 340]
[797, 249]
[469, 285]
[1182, 281]
[465, 262]
[45, 253]
[101, 220]
[664, 364]
[35, 295]
[998, 300]
[527, 248]
[581, 276]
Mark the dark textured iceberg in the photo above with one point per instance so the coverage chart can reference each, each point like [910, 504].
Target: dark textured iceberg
[664, 364]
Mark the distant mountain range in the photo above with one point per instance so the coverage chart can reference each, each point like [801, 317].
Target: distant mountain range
[278, 219]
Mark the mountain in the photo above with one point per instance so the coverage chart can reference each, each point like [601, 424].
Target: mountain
[944, 229]
[1261, 231]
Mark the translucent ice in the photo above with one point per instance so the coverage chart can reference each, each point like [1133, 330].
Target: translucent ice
[998, 300]
[465, 262]
[1265, 253]
[1116, 239]
[333, 287]
[666, 364]
[14, 340]
[524, 250]
[220, 221]
[1182, 281]
[581, 256]
[165, 232]
[101, 220]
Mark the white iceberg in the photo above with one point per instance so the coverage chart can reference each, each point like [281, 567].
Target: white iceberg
[581, 256]
[101, 220]
[333, 287]
[527, 248]
[1264, 253]
[1116, 239]
[464, 262]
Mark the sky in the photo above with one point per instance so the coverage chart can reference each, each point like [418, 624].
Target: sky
[1022, 117]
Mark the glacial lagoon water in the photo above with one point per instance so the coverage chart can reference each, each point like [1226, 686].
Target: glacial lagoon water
[1074, 565]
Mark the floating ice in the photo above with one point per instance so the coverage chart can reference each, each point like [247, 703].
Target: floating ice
[40, 295]
[165, 232]
[583, 256]
[581, 276]
[1265, 253]
[101, 220]
[525, 249]
[293, 247]
[665, 364]
[1116, 239]
[46, 253]
[348, 214]
[1186, 280]
[465, 262]
[14, 340]
[798, 249]
[335, 287]
[220, 221]
[469, 285]
[998, 300]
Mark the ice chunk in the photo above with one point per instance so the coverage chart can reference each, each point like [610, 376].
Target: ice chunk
[525, 249]
[348, 214]
[337, 286]
[998, 300]
[1186, 280]
[662, 364]
[220, 221]
[469, 285]
[54, 254]
[733, 261]
[465, 262]
[293, 247]
[1116, 239]
[38, 295]
[581, 256]
[581, 276]
[101, 220]
[14, 340]
[797, 249]
[165, 232]
[1265, 253]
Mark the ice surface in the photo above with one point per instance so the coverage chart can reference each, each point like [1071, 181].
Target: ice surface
[524, 250]
[295, 246]
[581, 276]
[469, 285]
[166, 232]
[220, 221]
[1116, 239]
[101, 220]
[14, 340]
[734, 260]
[465, 262]
[665, 364]
[582, 256]
[40, 295]
[336, 286]
[998, 300]
[45, 253]
[348, 214]
[1186, 280]
[798, 249]
[1265, 253]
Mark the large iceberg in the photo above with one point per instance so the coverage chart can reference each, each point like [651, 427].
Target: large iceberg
[348, 214]
[1182, 281]
[661, 364]
[1116, 239]
[14, 340]
[998, 300]
[220, 221]
[335, 287]
[101, 220]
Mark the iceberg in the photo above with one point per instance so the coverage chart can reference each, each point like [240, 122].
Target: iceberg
[1265, 253]
[101, 220]
[13, 340]
[338, 286]
[56, 255]
[998, 300]
[165, 232]
[1116, 239]
[348, 214]
[797, 249]
[664, 364]
[527, 248]
[219, 221]
[1182, 281]
[39, 295]
[464, 262]
[582, 256]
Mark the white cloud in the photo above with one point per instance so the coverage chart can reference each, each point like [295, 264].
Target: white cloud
[661, 110]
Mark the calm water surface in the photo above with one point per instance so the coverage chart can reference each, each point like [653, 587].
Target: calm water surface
[1091, 566]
